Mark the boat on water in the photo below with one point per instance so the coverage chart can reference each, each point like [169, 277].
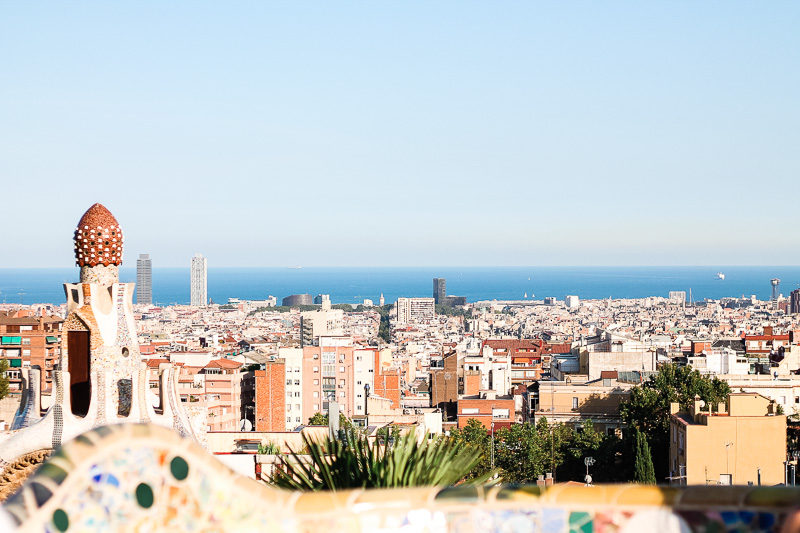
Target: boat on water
[720, 276]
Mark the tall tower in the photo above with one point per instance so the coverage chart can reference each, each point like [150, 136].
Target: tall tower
[439, 290]
[144, 280]
[775, 282]
[199, 281]
[382, 300]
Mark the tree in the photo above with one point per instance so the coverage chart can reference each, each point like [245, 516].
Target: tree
[475, 436]
[318, 419]
[643, 471]
[3, 378]
[648, 407]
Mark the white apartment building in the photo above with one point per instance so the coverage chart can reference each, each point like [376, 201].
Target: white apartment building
[293, 358]
[572, 301]
[199, 280]
[320, 323]
[363, 374]
[414, 309]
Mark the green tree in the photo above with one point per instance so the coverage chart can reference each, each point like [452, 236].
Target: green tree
[648, 407]
[475, 436]
[319, 419]
[643, 471]
[3, 378]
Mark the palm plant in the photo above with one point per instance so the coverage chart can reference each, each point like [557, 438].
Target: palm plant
[355, 462]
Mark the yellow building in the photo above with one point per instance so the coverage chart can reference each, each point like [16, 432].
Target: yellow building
[743, 442]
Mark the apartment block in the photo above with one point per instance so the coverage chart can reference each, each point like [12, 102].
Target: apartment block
[27, 341]
[263, 400]
[411, 310]
[743, 442]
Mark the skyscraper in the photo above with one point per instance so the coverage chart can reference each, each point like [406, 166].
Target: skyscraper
[795, 302]
[439, 290]
[144, 280]
[199, 280]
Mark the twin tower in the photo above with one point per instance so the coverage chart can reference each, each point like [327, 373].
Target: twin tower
[100, 377]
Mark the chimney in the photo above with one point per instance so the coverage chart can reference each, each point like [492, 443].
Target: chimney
[674, 408]
[548, 479]
[540, 481]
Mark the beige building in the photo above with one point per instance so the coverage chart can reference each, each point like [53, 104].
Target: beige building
[743, 442]
[573, 403]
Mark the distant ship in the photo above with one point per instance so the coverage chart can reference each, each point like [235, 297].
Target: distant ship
[720, 276]
[295, 268]
[526, 295]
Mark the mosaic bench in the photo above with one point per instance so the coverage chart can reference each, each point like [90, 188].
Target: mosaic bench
[140, 477]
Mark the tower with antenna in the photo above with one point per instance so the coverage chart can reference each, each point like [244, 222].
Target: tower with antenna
[775, 282]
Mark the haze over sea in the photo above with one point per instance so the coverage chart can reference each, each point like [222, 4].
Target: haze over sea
[353, 285]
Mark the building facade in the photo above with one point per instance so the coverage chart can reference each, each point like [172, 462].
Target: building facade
[743, 442]
[439, 290]
[199, 281]
[144, 280]
[415, 310]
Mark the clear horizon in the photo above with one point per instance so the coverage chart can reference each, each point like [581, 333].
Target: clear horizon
[404, 134]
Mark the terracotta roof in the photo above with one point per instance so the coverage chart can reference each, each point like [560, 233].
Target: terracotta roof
[608, 374]
[223, 363]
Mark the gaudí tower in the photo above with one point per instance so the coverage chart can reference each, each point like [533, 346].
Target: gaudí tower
[100, 377]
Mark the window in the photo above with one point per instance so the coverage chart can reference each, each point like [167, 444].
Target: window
[316, 394]
[288, 381]
[297, 407]
[288, 394]
[316, 369]
[316, 407]
[297, 382]
[341, 394]
[288, 418]
[499, 413]
[26, 340]
[316, 382]
[341, 369]
[470, 411]
[574, 402]
[296, 394]
[297, 419]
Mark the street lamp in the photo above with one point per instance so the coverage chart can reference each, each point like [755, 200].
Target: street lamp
[492, 454]
[366, 405]
[588, 461]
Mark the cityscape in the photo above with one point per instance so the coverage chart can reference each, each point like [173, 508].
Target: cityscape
[449, 267]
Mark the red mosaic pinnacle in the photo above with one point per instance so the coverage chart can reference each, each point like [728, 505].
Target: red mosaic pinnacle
[98, 238]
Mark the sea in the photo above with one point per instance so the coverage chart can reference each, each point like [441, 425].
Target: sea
[355, 284]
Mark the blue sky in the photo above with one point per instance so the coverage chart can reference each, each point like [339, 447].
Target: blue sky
[404, 133]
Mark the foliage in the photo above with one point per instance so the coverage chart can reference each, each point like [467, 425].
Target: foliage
[384, 328]
[643, 471]
[3, 378]
[388, 433]
[319, 419]
[648, 407]
[448, 310]
[475, 435]
[523, 452]
[355, 462]
[270, 448]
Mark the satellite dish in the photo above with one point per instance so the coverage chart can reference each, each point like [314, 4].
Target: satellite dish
[245, 425]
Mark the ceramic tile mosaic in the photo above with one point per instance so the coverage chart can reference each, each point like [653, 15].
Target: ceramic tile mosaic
[140, 477]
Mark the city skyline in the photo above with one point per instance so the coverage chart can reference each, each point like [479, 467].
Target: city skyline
[533, 134]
